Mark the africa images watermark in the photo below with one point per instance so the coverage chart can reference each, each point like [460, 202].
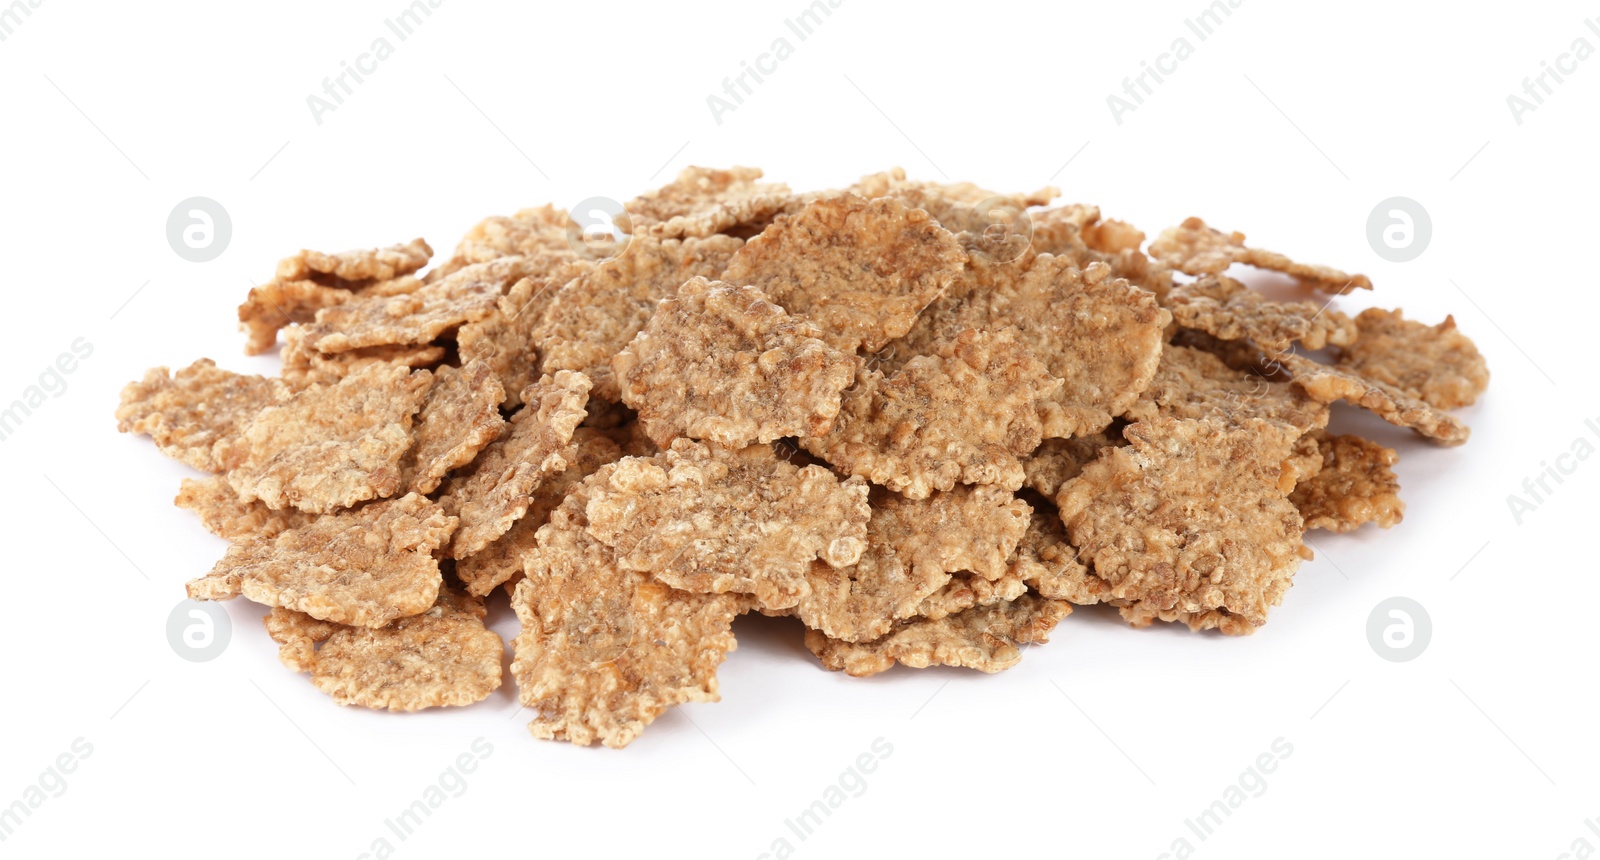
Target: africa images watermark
[12, 17]
[451, 783]
[1540, 486]
[355, 73]
[52, 383]
[52, 783]
[1552, 74]
[1153, 74]
[754, 73]
[1252, 782]
[852, 782]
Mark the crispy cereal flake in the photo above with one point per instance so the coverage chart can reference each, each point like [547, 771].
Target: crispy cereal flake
[460, 416]
[1227, 309]
[1435, 364]
[187, 413]
[1354, 485]
[1196, 249]
[983, 638]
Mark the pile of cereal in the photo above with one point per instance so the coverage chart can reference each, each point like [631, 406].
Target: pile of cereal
[924, 419]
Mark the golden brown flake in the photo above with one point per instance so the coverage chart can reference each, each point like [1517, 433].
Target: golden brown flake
[187, 413]
[494, 494]
[1325, 384]
[226, 515]
[365, 567]
[1354, 486]
[593, 316]
[1195, 249]
[1190, 517]
[1195, 384]
[460, 416]
[983, 638]
[604, 650]
[1436, 364]
[419, 316]
[1225, 308]
[710, 520]
[913, 548]
[298, 636]
[967, 415]
[1049, 564]
[1057, 461]
[702, 202]
[304, 366]
[329, 446]
[275, 304]
[721, 364]
[354, 267]
[861, 269]
[504, 340]
[501, 562]
[966, 590]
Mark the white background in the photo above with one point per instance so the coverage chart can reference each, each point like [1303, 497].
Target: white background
[1290, 123]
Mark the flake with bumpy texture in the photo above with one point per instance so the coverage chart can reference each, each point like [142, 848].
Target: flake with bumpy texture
[460, 416]
[329, 446]
[1190, 517]
[702, 202]
[1225, 308]
[504, 340]
[419, 316]
[441, 657]
[913, 548]
[1194, 384]
[1057, 461]
[967, 415]
[721, 364]
[1049, 564]
[1325, 384]
[1196, 249]
[494, 494]
[861, 269]
[983, 638]
[709, 520]
[1436, 364]
[501, 562]
[187, 413]
[365, 567]
[966, 590]
[304, 366]
[1354, 486]
[227, 516]
[275, 304]
[604, 650]
[354, 267]
[593, 316]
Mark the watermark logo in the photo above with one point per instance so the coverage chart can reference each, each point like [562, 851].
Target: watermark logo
[52, 383]
[199, 229]
[198, 631]
[1398, 629]
[12, 16]
[852, 783]
[599, 228]
[1540, 486]
[1251, 783]
[1399, 229]
[451, 783]
[352, 74]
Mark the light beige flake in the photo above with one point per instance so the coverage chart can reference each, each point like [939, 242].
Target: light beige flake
[329, 446]
[966, 590]
[1196, 249]
[187, 413]
[460, 416]
[593, 316]
[501, 562]
[861, 269]
[1325, 384]
[539, 233]
[967, 415]
[441, 657]
[365, 567]
[504, 339]
[1190, 516]
[275, 304]
[419, 316]
[721, 364]
[1049, 564]
[1436, 364]
[983, 638]
[1354, 486]
[913, 548]
[712, 521]
[1225, 308]
[226, 515]
[604, 650]
[1194, 384]
[304, 366]
[703, 201]
[494, 493]
[355, 267]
